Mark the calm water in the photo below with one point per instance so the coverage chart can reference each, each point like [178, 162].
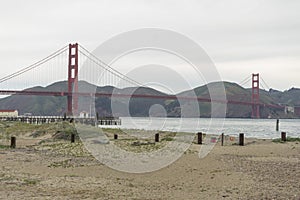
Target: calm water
[259, 128]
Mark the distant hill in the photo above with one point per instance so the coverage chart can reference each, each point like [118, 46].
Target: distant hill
[289, 97]
[48, 105]
[38, 105]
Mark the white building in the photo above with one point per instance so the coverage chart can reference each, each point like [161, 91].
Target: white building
[9, 113]
[84, 114]
[289, 109]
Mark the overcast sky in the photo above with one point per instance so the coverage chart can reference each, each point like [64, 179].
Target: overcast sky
[241, 37]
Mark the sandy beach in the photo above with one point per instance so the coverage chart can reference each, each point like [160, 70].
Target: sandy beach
[41, 168]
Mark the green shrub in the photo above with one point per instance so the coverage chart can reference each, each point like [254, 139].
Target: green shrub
[288, 139]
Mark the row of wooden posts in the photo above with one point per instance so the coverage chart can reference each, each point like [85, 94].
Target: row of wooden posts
[156, 138]
[13, 140]
[241, 138]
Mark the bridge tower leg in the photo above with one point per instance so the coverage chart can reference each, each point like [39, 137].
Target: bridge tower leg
[73, 80]
[255, 96]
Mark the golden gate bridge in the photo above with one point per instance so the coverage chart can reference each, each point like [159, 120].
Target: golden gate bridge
[74, 55]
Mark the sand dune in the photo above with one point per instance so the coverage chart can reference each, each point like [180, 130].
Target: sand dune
[58, 169]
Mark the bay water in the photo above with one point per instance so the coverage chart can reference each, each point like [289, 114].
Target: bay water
[253, 128]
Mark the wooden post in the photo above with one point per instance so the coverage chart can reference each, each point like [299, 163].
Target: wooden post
[115, 136]
[157, 137]
[199, 137]
[72, 138]
[222, 139]
[13, 142]
[277, 125]
[283, 136]
[241, 139]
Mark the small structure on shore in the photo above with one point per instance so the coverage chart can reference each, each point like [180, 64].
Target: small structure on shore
[84, 114]
[9, 113]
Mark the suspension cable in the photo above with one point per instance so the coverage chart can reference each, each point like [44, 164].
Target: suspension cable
[36, 64]
[110, 69]
[114, 72]
[265, 83]
[244, 81]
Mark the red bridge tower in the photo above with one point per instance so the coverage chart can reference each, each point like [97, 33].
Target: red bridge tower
[73, 80]
[255, 96]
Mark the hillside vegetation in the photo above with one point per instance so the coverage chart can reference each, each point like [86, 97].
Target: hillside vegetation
[140, 107]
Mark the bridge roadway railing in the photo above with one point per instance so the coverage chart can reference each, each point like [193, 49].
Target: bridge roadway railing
[53, 119]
